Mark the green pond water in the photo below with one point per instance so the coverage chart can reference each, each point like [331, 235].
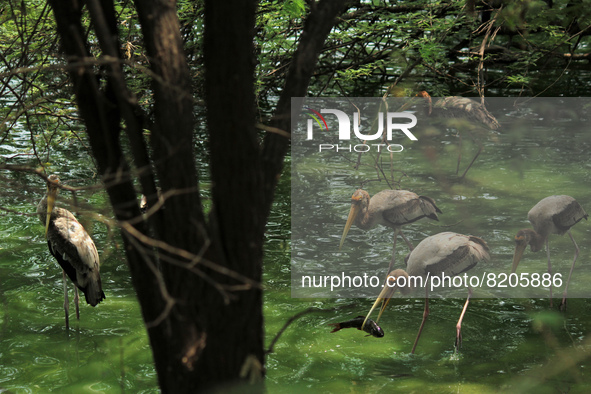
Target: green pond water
[509, 344]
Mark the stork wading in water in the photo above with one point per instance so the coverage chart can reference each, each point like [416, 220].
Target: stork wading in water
[390, 208]
[446, 253]
[552, 215]
[73, 249]
[474, 113]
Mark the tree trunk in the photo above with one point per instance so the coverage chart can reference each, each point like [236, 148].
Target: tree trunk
[198, 282]
[237, 217]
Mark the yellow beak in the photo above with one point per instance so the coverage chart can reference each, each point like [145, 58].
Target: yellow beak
[519, 249]
[51, 196]
[384, 298]
[352, 215]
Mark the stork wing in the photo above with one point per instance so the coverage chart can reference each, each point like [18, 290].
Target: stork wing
[68, 238]
[448, 253]
[569, 216]
[410, 210]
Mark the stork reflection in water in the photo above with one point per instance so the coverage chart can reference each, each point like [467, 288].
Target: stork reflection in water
[446, 253]
[72, 247]
[552, 215]
[390, 208]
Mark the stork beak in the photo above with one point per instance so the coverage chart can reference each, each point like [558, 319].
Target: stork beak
[385, 302]
[384, 298]
[51, 196]
[352, 215]
[519, 249]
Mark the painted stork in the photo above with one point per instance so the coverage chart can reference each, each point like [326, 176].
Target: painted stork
[446, 253]
[72, 247]
[390, 208]
[474, 112]
[552, 215]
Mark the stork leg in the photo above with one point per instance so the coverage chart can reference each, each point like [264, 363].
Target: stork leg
[406, 240]
[396, 232]
[563, 303]
[459, 325]
[66, 301]
[472, 162]
[459, 154]
[77, 302]
[549, 269]
[425, 314]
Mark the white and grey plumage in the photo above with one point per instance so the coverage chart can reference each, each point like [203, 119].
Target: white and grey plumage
[390, 208]
[448, 253]
[72, 247]
[552, 215]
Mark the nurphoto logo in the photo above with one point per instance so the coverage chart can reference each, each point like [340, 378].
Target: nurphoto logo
[392, 124]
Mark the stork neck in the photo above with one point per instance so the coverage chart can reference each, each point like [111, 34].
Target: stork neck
[536, 241]
[403, 282]
[404, 290]
[42, 209]
[364, 220]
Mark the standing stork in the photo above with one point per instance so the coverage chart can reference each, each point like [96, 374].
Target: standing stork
[474, 112]
[72, 247]
[552, 215]
[446, 253]
[390, 208]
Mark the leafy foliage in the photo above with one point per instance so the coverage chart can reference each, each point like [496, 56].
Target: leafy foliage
[513, 48]
[441, 47]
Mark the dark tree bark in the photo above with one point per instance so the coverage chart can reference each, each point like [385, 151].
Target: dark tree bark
[197, 279]
[237, 217]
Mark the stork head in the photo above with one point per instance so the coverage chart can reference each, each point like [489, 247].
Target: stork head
[52, 190]
[388, 291]
[359, 201]
[522, 239]
[427, 98]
